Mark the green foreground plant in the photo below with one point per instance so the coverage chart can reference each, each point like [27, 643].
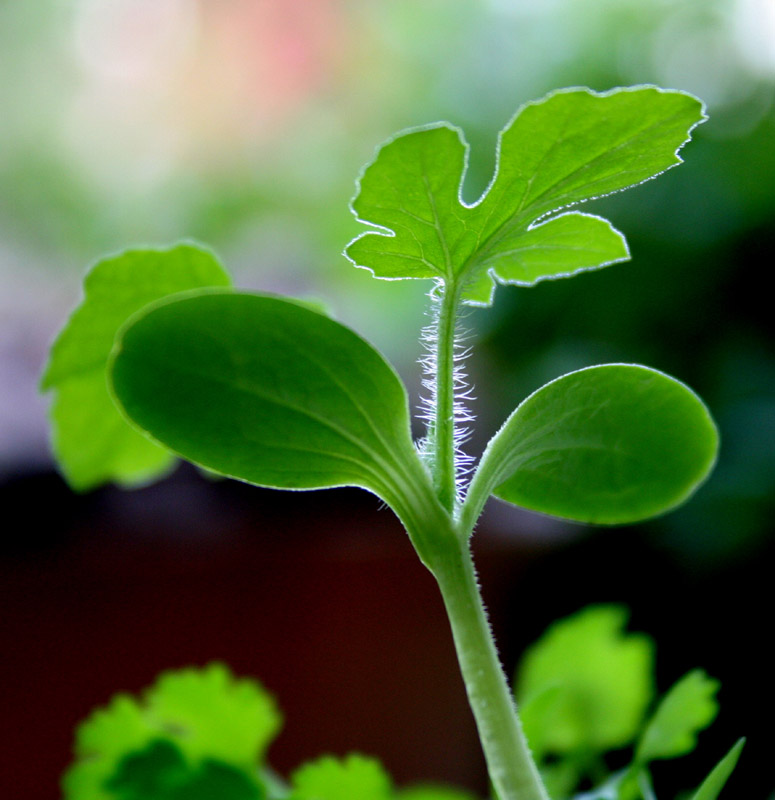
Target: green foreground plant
[163, 358]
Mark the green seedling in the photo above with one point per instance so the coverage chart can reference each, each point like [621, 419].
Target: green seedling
[164, 358]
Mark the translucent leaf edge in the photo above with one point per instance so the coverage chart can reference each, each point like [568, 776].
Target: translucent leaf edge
[381, 230]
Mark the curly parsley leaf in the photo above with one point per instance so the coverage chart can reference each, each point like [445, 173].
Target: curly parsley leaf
[215, 725]
[573, 145]
[160, 772]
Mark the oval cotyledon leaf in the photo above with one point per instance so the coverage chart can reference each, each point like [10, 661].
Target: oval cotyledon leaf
[268, 391]
[611, 444]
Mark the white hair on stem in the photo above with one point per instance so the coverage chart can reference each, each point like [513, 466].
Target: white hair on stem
[462, 416]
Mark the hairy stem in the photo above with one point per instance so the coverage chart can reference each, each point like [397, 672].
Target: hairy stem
[443, 438]
[510, 765]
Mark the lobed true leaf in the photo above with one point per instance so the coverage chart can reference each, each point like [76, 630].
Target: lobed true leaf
[571, 146]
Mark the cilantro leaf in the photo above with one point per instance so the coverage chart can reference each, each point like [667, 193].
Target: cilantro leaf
[216, 724]
[92, 442]
[571, 146]
[101, 742]
[330, 778]
[687, 708]
[585, 685]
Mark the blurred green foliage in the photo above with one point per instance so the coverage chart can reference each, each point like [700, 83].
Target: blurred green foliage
[584, 688]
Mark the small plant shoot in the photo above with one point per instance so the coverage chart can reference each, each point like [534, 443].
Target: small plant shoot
[164, 358]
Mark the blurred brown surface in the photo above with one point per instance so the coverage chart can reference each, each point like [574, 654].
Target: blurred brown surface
[320, 597]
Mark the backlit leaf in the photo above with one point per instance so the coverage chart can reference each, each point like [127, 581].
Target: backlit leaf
[687, 708]
[92, 442]
[265, 390]
[585, 685]
[572, 146]
[611, 444]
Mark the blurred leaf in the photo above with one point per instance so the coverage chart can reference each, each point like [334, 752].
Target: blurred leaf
[561, 777]
[687, 708]
[607, 791]
[215, 715]
[573, 145]
[433, 793]
[268, 391]
[330, 778]
[712, 785]
[159, 772]
[91, 440]
[101, 742]
[611, 444]
[205, 715]
[153, 773]
[591, 681]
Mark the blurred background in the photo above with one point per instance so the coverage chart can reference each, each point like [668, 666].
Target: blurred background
[243, 124]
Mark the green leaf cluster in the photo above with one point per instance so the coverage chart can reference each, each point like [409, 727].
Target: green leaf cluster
[191, 726]
[584, 690]
[201, 734]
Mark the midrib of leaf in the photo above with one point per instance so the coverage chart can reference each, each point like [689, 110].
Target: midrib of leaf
[253, 391]
[390, 467]
[334, 376]
[448, 269]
